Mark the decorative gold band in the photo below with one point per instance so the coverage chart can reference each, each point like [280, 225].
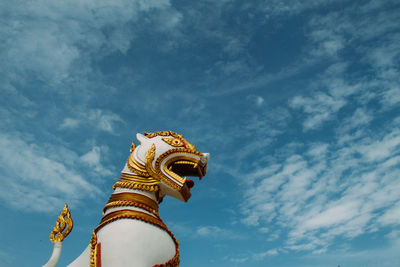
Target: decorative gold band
[131, 214]
[93, 244]
[133, 199]
[138, 179]
[137, 182]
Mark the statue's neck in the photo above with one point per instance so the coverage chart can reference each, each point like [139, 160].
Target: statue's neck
[132, 199]
[148, 194]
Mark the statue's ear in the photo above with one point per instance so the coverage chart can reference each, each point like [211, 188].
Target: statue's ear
[141, 137]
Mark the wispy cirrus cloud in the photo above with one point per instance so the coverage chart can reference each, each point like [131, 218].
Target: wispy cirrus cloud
[331, 193]
[41, 178]
[6, 259]
[99, 119]
[53, 49]
[51, 77]
[216, 232]
[323, 191]
[268, 253]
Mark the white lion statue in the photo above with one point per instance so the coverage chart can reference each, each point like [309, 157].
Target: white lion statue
[131, 232]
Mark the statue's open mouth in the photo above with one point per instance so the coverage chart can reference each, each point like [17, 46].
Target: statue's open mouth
[184, 166]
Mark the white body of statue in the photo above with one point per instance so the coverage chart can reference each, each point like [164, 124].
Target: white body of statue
[131, 232]
[128, 241]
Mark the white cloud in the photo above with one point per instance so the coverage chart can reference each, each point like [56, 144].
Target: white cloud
[291, 7]
[56, 48]
[262, 255]
[391, 216]
[239, 260]
[69, 123]
[32, 179]
[380, 149]
[326, 42]
[255, 100]
[104, 121]
[5, 259]
[318, 151]
[319, 108]
[391, 96]
[93, 160]
[216, 232]
[360, 118]
[272, 252]
[331, 216]
[92, 157]
[329, 190]
[274, 236]
[96, 118]
[320, 191]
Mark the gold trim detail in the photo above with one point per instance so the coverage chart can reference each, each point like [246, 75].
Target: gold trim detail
[157, 172]
[175, 142]
[133, 146]
[136, 167]
[64, 223]
[93, 248]
[170, 133]
[162, 133]
[132, 199]
[135, 215]
[166, 154]
[126, 177]
[122, 203]
[150, 154]
[184, 159]
[137, 182]
[147, 177]
[152, 188]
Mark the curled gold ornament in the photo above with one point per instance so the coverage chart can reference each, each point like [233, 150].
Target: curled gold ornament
[136, 166]
[133, 146]
[150, 154]
[63, 226]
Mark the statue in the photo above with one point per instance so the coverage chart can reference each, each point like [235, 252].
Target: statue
[131, 232]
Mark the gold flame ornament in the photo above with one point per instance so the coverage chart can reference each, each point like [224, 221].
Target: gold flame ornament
[63, 226]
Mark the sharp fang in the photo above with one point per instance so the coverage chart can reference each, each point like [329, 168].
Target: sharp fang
[200, 173]
[170, 167]
[195, 166]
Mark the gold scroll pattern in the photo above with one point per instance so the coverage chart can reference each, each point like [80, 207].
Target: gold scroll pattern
[63, 226]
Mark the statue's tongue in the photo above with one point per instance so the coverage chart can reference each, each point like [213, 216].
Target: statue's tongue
[189, 183]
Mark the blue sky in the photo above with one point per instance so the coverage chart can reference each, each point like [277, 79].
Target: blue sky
[298, 103]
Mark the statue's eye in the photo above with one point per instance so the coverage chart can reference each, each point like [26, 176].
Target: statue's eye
[173, 142]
